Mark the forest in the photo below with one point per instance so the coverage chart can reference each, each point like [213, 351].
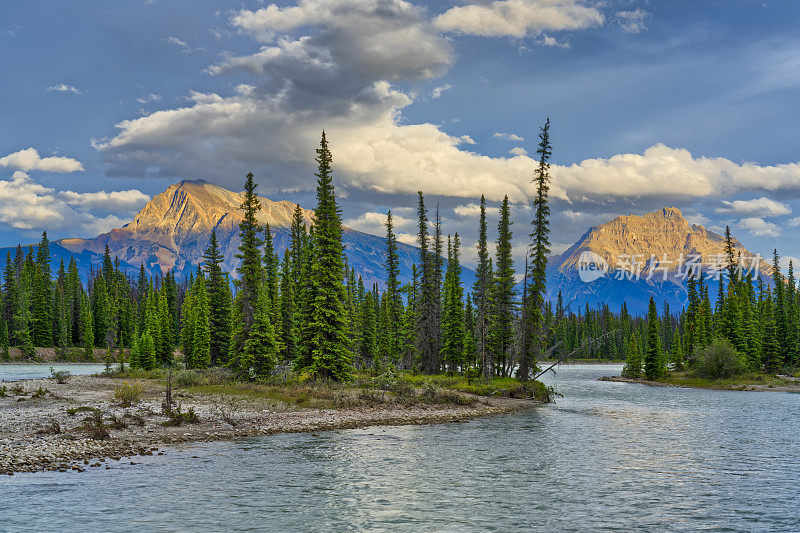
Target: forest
[310, 312]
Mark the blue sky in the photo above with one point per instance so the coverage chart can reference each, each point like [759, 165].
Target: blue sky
[670, 103]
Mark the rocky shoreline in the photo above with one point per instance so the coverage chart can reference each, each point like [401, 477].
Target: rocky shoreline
[49, 426]
[788, 384]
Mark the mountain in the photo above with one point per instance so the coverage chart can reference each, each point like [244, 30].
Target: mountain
[172, 232]
[599, 267]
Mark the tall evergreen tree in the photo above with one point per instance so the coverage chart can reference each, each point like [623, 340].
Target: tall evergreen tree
[249, 269]
[503, 307]
[219, 302]
[539, 250]
[480, 293]
[393, 302]
[330, 350]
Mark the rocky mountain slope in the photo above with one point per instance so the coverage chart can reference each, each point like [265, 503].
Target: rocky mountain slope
[172, 232]
[633, 257]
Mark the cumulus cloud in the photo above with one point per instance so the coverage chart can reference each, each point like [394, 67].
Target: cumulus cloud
[669, 173]
[508, 136]
[759, 227]
[518, 150]
[633, 21]
[473, 210]
[63, 88]
[375, 223]
[336, 70]
[518, 18]
[117, 201]
[29, 159]
[757, 207]
[437, 91]
[27, 205]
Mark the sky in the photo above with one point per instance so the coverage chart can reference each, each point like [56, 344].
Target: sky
[652, 104]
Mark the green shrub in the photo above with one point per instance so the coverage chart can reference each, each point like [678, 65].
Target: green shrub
[189, 378]
[178, 418]
[128, 393]
[61, 376]
[719, 360]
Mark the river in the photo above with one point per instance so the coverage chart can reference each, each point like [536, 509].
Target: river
[14, 372]
[606, 456]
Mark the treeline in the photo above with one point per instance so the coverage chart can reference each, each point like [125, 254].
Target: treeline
[759, 320]
[308, 309]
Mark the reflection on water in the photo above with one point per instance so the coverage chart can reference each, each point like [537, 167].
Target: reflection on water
[606, 456]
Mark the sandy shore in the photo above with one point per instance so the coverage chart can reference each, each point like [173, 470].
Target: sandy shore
[785, 384]
[49, 432]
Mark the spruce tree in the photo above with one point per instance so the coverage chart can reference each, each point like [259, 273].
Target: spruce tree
[249, 269]
[539, 250]
[201, 347]
[260, 352]
[633, 359]
[393, 302]
[330, 352]
[480, 293]
[653, 358]
[503, 312]
[427, 329]
[453, 310]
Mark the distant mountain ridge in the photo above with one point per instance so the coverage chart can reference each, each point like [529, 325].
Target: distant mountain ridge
[642, 250]
[172, 231]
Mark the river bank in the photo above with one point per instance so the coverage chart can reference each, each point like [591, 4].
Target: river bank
[747, 382]
[81, 424]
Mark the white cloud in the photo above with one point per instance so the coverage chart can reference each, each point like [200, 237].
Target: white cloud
[27, 205]
[633, 21]
[759, 207]
[552, 41]
[518, 18]
[179, 43]
[669, 173]
[118, 201]
[339, 76]
[759, 227]
[29, 159]
[508, 136]
[375, 223]
[794, 222]
[518, 150]
[63, 88]
[474, 210]
[146, 99]
[437, 91]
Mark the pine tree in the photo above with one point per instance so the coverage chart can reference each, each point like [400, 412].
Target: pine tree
[676, 355]
[201, 338]
[427, 329]
[219, 302]
[41, 297]
[481, 296]
[260, 352]
[134, 359]
[633, 359]
[147, 351]
[653, 357]
[502, 293]
[453, 311]
[330, 351]
[249, 269]
[394, 304]
[540, 248]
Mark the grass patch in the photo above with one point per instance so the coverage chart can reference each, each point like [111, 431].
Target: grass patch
[739, 382]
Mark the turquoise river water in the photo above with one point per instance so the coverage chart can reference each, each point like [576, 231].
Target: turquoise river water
[605, 457]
